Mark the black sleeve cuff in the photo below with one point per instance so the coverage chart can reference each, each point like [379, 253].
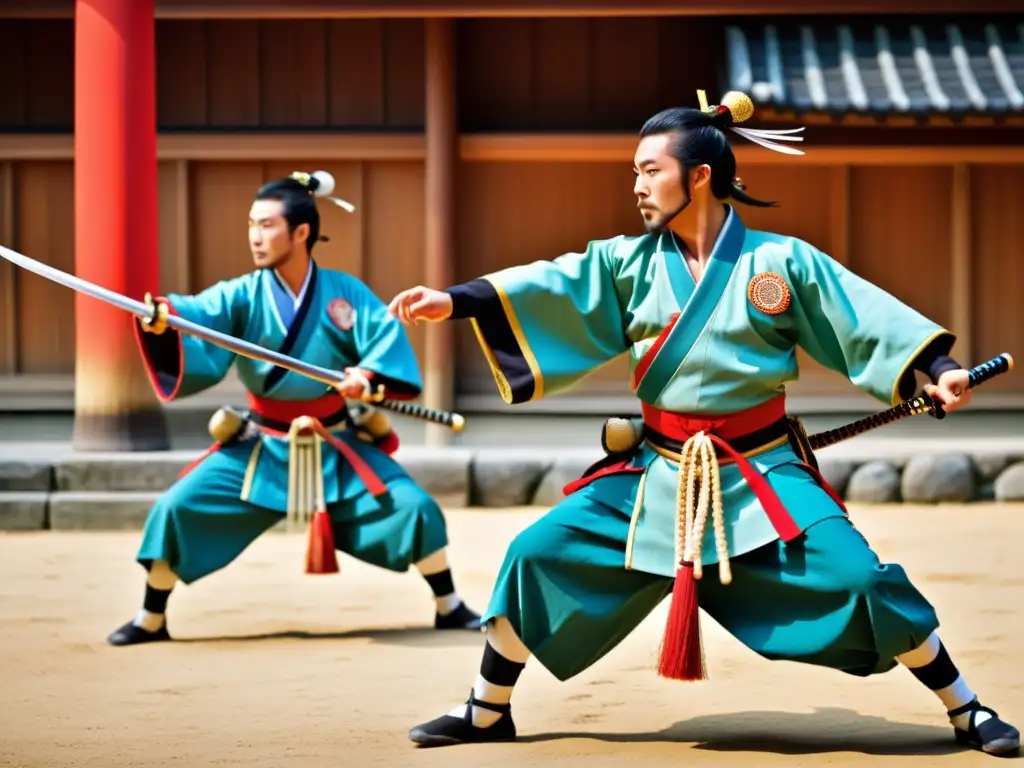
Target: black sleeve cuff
[933, 361]
[479, 300]
[470, 299]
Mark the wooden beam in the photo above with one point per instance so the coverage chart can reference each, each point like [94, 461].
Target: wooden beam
[962, 266]
[506, 147]
[8, 276]
[321, 9]
[619, 148]
[441, 166]
[235, 146]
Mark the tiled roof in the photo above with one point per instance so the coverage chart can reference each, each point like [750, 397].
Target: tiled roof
[920, 66]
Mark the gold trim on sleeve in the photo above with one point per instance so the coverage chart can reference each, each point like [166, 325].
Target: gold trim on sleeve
[517, 331]
[895, 395]
[504, 389]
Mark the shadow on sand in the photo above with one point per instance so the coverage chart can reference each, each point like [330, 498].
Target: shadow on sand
[785, 733]
[413, 637]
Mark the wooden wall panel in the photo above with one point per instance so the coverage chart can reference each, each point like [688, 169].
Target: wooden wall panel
[232, 74]
[405, 87]
[515, 213]
[900, 234]
[293, 73]
[586, 74]
[50, 65]
[355, 72]
[394, 233]
[172, 199]
[46, 231]
[14, 94]
[998, 228]
[564, 94]
[182, 87]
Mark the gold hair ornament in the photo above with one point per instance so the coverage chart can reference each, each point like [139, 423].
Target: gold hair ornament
[741, 108]
[324, 187]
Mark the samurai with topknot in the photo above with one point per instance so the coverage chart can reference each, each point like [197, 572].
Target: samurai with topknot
[715, 473]
[309, 457]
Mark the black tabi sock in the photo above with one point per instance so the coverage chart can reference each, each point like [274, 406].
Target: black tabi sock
[939, 673]
[497, 670]
[441, 583]
[155, 600]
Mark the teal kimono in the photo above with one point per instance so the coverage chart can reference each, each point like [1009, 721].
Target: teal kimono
[241, 488]
[807, 588]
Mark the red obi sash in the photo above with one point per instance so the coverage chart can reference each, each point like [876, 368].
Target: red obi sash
[276, 416]
[326, 408]
[724, 430]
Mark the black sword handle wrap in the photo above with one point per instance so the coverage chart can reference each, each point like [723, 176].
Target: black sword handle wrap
[982, 373]
[451, 420]
[921, 404]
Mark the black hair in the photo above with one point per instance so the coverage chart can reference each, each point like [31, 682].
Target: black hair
[299, 204]
[700, 140]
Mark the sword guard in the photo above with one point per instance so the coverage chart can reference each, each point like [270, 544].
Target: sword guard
[157, 321]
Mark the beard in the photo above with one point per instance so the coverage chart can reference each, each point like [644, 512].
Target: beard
[656, 224]
[658, 221]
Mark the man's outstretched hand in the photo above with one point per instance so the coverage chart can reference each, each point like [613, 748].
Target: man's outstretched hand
[419, 303]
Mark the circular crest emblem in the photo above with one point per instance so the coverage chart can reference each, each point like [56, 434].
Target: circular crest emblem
[342, 314]
[769, 293]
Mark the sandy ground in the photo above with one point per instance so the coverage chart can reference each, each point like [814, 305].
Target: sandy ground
[278, 669]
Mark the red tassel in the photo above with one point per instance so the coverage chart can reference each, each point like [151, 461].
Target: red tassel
[320, 554]
[682, 657]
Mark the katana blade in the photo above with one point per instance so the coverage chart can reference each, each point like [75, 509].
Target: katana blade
[139, 308]
[244, 348]
[143, 310]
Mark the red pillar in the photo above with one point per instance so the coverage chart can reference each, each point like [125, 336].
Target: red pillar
[116, 220]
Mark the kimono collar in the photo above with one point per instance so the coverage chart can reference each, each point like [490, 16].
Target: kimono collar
[729, 242]
[305, 283]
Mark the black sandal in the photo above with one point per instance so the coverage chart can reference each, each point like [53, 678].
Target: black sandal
[992, 736]
[448, 729]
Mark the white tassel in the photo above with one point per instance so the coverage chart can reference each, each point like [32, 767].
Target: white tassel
[780, 135]
[342, 204]
[764, 142]
[324, 188]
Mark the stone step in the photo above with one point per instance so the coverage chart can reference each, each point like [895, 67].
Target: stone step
[49, 486]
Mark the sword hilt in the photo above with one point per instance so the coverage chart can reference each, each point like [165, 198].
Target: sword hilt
[921, 404]
[979, 374]
[454, 421]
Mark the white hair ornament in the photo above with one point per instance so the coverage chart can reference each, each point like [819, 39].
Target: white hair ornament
[321, 184]
[737, 107]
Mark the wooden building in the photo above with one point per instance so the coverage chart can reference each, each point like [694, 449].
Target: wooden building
[473, 136]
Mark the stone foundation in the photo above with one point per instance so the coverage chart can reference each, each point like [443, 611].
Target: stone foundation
[96, 491]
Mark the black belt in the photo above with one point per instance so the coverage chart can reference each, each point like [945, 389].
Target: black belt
[743, 444]
[281, 426]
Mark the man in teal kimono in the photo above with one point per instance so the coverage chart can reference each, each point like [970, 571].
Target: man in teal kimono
[711, 314]
[300, 453]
